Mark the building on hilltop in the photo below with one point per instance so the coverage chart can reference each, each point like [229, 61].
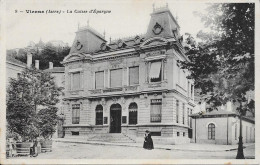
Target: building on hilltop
[129, 85]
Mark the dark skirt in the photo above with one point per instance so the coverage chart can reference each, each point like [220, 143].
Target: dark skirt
[148, 144]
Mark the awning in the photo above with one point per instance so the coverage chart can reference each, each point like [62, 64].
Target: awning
[155, 69]
[133, 110]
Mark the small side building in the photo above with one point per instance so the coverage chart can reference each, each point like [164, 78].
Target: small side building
[13, 68]
[59, 78]
[221, 127]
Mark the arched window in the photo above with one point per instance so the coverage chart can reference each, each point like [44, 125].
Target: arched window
[99, 115]
[211, 131]
[133, 113]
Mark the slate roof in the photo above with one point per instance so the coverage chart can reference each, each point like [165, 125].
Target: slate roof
[220, 113]
[15, 61]
[213, 113]
[128, 42]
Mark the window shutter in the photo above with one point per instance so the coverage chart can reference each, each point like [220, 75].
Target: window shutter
[116, 78]
[99, 80]
[156, 106]
[133, 75]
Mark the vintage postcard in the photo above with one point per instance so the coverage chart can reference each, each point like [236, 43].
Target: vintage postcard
[129, 82]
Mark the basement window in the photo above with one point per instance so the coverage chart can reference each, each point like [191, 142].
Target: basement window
[74, 133]
[156, 134]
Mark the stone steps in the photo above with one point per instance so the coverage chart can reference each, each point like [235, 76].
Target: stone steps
[111, 137]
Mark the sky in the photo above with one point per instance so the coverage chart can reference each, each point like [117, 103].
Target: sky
[127, 18]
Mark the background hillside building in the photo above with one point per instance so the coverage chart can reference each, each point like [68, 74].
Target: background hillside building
[129, 85]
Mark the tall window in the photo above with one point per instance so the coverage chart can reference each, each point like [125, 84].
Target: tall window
[155, 73]
[116, 78]
[236, 132]
[190, 118]
[191, 91]
[156, 107]
[99, 115]
[177, 111]
[75, 113]
[134, 75]
[183, 113]
[76, 80]
[99, 80]
[211, 131]
[179, 75]
[133, 113]
[183, 79]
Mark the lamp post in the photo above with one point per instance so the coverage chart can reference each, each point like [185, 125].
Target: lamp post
[240, 152]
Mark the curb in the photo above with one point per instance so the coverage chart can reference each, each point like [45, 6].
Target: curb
[126, 145]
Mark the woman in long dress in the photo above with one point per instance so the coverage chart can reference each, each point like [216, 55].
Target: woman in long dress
[148, 141]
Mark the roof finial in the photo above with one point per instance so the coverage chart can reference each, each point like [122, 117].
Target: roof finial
[153, 7]
[166, 4]
[110, 40]
[78, 25]
[88, 22]
[176, 16]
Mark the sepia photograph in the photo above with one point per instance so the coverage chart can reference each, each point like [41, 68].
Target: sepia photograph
[130, 80]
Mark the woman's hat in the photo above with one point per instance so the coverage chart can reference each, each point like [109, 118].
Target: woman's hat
[147, 131]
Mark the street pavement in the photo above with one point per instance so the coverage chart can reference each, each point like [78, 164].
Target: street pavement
[68, 150]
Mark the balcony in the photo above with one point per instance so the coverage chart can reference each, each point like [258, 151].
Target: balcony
[117, 90]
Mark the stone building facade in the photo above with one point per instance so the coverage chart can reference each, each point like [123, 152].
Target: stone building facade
[222, 127]
[13, 68]
[129, 85]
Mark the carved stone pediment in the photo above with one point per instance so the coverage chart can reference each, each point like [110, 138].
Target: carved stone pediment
[72, 57]
[155, 53]
[154, 41]
[116, 63]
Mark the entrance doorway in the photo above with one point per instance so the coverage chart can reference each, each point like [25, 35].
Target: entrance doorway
[115, 118]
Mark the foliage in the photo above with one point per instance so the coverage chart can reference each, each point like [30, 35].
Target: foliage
[31, 90]
[222, 63]
[49, 53]
[47, 123]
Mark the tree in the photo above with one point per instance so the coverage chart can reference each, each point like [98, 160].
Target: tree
[47, 123]
[222, 64]
[49, 53]
[31, 99]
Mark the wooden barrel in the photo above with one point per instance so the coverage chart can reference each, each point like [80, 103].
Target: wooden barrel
[23, 148]
[46, 146]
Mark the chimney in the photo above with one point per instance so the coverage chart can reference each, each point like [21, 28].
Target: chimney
[50, 65]
[37, 64]
[29, 60]
[229, 106]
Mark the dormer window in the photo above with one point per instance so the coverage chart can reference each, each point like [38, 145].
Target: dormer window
[121, 43]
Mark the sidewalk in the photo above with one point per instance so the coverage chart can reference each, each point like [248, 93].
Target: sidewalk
[182, 147]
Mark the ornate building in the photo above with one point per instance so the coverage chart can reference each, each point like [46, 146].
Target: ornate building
[129, 85]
